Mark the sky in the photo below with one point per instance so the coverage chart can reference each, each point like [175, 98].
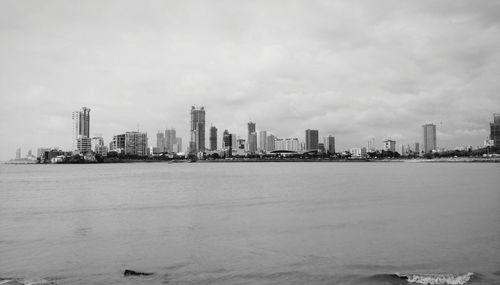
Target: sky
[352, 69]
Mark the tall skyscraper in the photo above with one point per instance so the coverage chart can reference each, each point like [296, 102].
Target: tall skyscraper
[429, 137]
[197, 142]
[329, 143]
[160, 142]
[81, 129]
[213, 138]
[251, 129]
[270, 144]
[226, 140]
[263, 140]
[312, 139]
[495, 130]
[170, 136]
[252, 142]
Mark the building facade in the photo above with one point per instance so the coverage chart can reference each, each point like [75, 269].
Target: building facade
[312, 139]
[429, 137]
[170, 139]
[81, 127]
[270, 146]
[390, 145]
[263, 141]
[136, 143]
[160, 142]
[495, 130]
[252, 142]
[213, 138]
[291, 144]
[329, 143]
[197, 142]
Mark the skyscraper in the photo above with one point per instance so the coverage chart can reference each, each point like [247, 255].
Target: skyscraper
[270, 144]
[160, 142]
[251, 129]
[226, 140]
[495, 130]
[329, 143]
[312, 139]
[197, 142]
[429, 137]
[213, 138]
[263, 140]
[170, 136]
[81, 129]
[252, 142]
[136, 143]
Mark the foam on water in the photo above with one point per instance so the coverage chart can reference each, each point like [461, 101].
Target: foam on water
[437, 279]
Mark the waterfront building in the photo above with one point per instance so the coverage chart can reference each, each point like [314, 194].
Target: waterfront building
[117, 143]
[416, 148]
[81, 126]
[18, 153]
[252, 142]
[495, 130]
[213, 138]
[329, 143]
[234, 142]
[160, 142]
[429, 137]
[263, 141]
[177, 147]
[240, 144]
[371, 145]
[291, 144]
[170, 137]
[270, 143]
[84, 144]
[390, 145]
[355, 152]
[136, 143]
[197, 142]
[364, 152]
[321, 147]
[226, 140]
[312, 139]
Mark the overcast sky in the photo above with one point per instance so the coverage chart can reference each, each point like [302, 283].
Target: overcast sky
[352, 69]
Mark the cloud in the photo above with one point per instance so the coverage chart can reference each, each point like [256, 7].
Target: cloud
[353, 69]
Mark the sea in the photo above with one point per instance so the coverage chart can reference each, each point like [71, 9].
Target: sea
[250, 223]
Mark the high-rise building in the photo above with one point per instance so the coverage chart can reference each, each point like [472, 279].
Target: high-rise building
[329, 143]
[170, 136]
[240, 143]
[312, 139]
[251, 129]
[270, 143]
[136, 143]
[291, 144]
[429, 137]
[252, 142]
[177, 147]
[213, 138]
[84, 144]
[226, 140]
[370, 146]
[18, 153]
[234, 141]
[197, 142]
[416, 148]
[160, 142]
[118, 143]
[495, 130]
[390, 145]
[81, 125]
[263, 140]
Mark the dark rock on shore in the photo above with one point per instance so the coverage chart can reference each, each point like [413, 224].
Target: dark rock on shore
[129, 272]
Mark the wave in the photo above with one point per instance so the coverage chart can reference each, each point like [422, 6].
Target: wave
[437, 279]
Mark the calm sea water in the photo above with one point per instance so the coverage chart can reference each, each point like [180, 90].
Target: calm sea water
[251, 223]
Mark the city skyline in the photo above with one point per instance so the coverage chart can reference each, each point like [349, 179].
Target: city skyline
[308, 65]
